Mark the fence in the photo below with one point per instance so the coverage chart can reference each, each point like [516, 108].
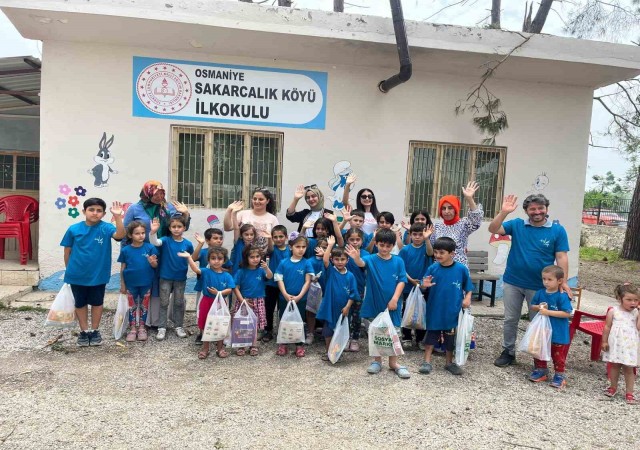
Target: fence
[606, 211]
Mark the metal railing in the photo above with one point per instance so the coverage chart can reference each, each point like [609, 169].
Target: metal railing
[606, 211]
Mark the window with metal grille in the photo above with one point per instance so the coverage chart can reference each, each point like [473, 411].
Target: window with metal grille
[437, 169]
[213, 167]
[19, 172]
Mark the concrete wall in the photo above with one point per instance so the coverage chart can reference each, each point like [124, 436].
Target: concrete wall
[603, 237]
[86, 90]
[19, 134]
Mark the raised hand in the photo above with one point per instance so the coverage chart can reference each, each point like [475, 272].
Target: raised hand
[346, 213]
[331, 240]
[199, 239]
[184, 254]
[352, 251]
[299, 193]
[427, 282]
[236, 206]
[264, 265]
[319, 252]
[469, 190]
[264, 234]
[155, 225]
[180, 207]
[351, 178]
[308, 224]
[116, 209]
[331, 217]
[428, 231]
[509, 203]
[406, 225]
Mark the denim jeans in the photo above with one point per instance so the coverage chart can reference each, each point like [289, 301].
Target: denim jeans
[166, 288]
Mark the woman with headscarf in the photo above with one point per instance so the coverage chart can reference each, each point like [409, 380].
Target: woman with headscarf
[153, 204]
[314, 198]
[455, 227]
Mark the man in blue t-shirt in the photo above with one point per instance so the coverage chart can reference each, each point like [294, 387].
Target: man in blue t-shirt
[536, 243]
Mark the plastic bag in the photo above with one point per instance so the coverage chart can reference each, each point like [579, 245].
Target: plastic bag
[383, 337]
[415, 311]
[216, 327]
[244, 326]
[314, 297]
[463, 336]
[121, 316]
[62, 313]
[291, 327]
[339, 340]
[537, 339]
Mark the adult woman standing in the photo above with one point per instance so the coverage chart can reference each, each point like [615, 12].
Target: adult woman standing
[261, 215]
[366, 202]
[315, 199]
[153, 205]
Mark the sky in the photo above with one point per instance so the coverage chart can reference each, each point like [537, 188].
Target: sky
[468, 13]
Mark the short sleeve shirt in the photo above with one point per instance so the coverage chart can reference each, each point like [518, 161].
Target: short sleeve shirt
[137, 272]
[90, 260]
[556, 301]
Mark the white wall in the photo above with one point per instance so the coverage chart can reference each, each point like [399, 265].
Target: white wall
[86, 89]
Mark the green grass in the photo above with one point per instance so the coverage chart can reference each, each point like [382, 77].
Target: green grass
[596, 254]
[31, 308]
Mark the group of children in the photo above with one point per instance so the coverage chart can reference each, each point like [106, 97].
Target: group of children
[360, 276]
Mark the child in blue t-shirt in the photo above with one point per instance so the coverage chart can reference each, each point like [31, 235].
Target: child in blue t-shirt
[318, 268]
[244, 236]
[340, 291]
[138, 262]
[278, 251]
[557, 305]
[173, 273]
[386, 277]
[214, 280]
[355, 238]
[450, 289]
[417, 257]
[87, 258]
[355, 220]
[294, 277]
[250, 282]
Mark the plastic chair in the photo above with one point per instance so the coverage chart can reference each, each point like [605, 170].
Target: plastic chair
[20, 212]
[593, 328]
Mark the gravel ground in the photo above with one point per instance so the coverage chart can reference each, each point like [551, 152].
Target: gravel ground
[603, 276]
[160, 395]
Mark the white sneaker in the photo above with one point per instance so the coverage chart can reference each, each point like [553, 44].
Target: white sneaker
[180, 332]
[309, 339]
[162, 332]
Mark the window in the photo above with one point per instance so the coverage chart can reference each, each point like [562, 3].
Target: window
[19, 172]
[214, 167]
[436, 169]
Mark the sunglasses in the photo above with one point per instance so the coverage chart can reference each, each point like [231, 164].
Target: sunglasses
[366, 197]
[311, 186]
[262, 189]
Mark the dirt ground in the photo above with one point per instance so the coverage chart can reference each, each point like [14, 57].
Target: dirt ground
[159, 395]
[602, 276]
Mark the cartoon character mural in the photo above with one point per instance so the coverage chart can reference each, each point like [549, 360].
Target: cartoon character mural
[341, 170]
[102, 170]
[539, 184]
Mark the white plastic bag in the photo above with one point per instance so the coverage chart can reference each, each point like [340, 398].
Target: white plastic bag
[121, 316]
[216, 327]
[291, 327]
[314, 296]
[383, 337]
[244, 326]
[415, 311]
[537, 339]
[463, 336]
[339, 340]
[62, 313]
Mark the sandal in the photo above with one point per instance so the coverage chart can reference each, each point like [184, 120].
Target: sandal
[325, 357]
[241, 351]
[610, 392]
[131, 335]
[202, 354]
[268, 336]
[374, 368]
[222, 353]
[253, 351]
[142, 333]
[300, 352]
[402, 372]
[630, 399]
[282, 350]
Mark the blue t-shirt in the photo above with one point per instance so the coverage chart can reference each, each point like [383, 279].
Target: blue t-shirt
[172, 266]
[532, 249]
[416, 262]
[90, 260]
[275, 258]
[293, 274]
[215, 280]
[382, 278]
[138, 272]
[251, 282]
[311, 248]
[358, 272]
[202, 263]
[236, 255]
[556, 301]
[340, 288]
[318, 268]
[446, 296]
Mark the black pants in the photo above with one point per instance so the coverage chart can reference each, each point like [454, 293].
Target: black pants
[406, 332]
[270, 303]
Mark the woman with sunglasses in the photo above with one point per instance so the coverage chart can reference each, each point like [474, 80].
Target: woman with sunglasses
[366, 202]
[314, 198]
[261, 215]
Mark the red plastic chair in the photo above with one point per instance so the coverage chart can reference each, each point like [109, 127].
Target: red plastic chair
[20, 212]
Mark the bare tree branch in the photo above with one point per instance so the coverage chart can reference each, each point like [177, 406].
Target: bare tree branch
[460, 2]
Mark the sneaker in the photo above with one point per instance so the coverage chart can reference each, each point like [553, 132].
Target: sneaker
[505, 359]
[198, 339]
[132, 335]
[407, 345]
[453, 368]
[162, 333]
[309, 339]
[559, 381]
[538, 375]
[421, 347]
[95, 339]
[630, 399]
[425, 368]
[180, 332]
[610, 392]
[83, 339]
[354, 346]
[267, 336]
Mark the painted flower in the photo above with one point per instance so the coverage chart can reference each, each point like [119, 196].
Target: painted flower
[60, 203]
[80, 191]
[73, 212]
[73, 200]
[64, 189]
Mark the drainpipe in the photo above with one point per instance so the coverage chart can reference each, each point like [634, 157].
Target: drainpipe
[403, 49]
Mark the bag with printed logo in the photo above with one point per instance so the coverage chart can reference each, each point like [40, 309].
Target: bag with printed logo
[291, 326]
[383, 337]
[216, 327]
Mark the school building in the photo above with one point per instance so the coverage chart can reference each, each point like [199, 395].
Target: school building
[215, 98]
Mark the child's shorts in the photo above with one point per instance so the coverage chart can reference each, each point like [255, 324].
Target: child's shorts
[327, 332]
[433, 338]
[88, 295]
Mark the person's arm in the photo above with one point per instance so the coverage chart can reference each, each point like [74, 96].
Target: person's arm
[297, 195]
[239, 296]
[372, 242]
[399, 242]
[283, 291]
[67, 254]
[468, 192]
[182, 209]
[305, 288]
[326, 258]
[638, 322]
[413, 281]
[347, 188]
[236, 225]
[336, 229]
[153, 261]
[607, 329]
[467, 300]
[542, 309]
[116, 210]
[196, 251]
[509, 205]
[347, 307]
[427, 281]
[267, 272]
[153, 236]
[393, 303]
[192, 263]
[227, 222]
[562, 259]
[346, 217]
[123, 286]
[354, 254]
[427, 239]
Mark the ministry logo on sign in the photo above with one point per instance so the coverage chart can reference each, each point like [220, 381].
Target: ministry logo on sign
[163, 88]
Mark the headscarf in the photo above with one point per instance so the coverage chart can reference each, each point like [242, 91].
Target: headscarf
[453, 201]
[320, 205]
[154, 209]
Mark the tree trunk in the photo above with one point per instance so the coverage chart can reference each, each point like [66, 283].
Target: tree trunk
[285, 3]
[541, 17]
[338, 5]
[631, 246]
[495, 14]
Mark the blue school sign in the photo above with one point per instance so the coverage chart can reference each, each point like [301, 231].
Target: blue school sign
[172, 89]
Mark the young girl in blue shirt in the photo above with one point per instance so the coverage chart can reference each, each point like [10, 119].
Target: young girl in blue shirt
[278, 252]
[355, 238]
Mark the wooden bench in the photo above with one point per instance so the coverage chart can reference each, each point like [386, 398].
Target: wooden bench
[478, 263]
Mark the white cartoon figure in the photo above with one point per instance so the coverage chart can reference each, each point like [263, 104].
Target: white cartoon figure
[341, 170]
[539, 184]
[104, 160]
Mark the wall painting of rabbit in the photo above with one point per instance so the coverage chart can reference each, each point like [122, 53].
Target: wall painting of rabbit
[102, 170]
